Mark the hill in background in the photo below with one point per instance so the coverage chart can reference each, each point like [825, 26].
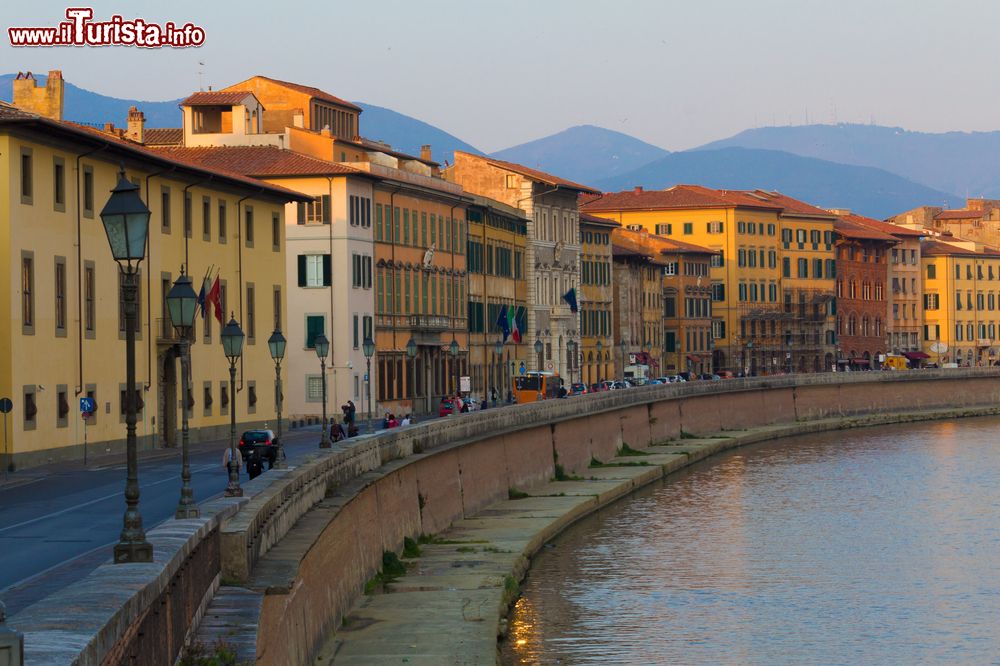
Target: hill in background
[866, 190]
[407, 134]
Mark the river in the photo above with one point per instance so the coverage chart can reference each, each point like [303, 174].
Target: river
[868, 546]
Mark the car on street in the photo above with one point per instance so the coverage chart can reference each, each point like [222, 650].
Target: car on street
[578, 388]
[600, 386]
[446, 408]
[261, 442]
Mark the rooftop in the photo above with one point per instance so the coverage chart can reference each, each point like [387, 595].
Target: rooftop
[884, 227]
[961, 214]
[163, 136]
[678, 196]
[936, 248]
[626, 242]
[531, 174]
[587, 218]
[258, 161]
[857, 231]
[308, 90]
[217, 98]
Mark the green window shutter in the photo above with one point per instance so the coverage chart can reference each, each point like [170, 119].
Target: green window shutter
[326, 270]
[327, 213]
[302, 270]
[301, 213]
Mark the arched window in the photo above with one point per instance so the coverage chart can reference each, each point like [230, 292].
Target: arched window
[878, 327]
[864, 326]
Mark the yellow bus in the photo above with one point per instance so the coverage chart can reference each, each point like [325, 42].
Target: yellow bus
[534, 386]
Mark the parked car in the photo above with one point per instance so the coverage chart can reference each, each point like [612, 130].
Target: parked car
[578, 388]
[601, 386]
[261, 441]
[446, 408]
[676, 379]
[655, 381]
[709, 377]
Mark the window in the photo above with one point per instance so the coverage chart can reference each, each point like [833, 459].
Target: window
[89, 294]
[88, 191]
[27, 177]
[314, 270]
[716, 260]
[715, 227]
[248, 219]
[718, 291]
[28, 293]
[664, 229]
[251, 313]
[60, 292]
[670, 269]
[317, 211]
[931, 271]
[165, 209]
[188, 224]
[275, 232]
[510, 180]
[818, 268]
[315, 325]
[277, 308]
[58, 183]
[30, 409]
[222, 221]
[688, 228]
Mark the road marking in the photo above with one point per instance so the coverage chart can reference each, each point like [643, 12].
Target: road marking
[97, 501]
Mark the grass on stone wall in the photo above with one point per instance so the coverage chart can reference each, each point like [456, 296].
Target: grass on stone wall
[411, 549]
[392, 568]
[561, 475]
[219, 653]
[515, 494]
[627, 450]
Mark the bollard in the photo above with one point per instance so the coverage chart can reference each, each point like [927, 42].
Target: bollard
[11, 643]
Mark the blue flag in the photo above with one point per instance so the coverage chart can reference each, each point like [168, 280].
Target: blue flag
[570, 297]
[502, 323]
[201, 299]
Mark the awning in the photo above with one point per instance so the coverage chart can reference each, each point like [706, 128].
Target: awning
[859, 361]
[916, 355]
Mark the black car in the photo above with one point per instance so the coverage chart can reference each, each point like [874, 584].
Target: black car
[262, 442]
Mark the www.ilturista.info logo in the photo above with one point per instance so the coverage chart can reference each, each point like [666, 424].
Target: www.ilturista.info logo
[80, 30]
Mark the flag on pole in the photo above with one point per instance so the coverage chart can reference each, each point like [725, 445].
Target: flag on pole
[201, 297]
[215, 298]
[570, 297]
[512, 324]
[502, 324]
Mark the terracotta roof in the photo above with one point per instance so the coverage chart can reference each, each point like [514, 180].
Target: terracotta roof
[163, 136]
[625, 242]
[216, 98]
[259, 161]
[309, 90]
[884, 227]
[533, 174]
[586, 218]
[16, 117]
[370, 144]
[855, 231]
[788, 204]
[678, 196]
[962, 214]
[936, 248]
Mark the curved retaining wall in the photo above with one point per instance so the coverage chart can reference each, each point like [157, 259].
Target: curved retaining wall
[428, 476]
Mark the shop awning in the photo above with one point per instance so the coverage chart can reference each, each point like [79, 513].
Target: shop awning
[916, 355]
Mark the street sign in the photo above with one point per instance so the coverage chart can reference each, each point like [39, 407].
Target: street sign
[87, 405]
[465, 384]
[366, 376]
[6, 405]
[522, 369]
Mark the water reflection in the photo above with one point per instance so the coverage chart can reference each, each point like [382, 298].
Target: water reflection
[875, 546]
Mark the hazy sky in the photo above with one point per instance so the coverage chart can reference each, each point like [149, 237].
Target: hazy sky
[675, 74]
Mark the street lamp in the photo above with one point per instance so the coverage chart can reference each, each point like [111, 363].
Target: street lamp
[182, 303]
[126, 223]
[453, 350]
[322, 349]
[571, 348]
[411, 351]
[621, 346]
[538, 353]
[369, 348]
[232, 347]
[276, 345]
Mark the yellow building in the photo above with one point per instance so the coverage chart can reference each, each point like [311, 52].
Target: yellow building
[961, 302]
[596, 299]
[64, 338]
[496, 250]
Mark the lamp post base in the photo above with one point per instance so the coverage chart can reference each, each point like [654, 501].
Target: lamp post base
[133, 551]
[325, 443]
[187, 512]
[234, 491]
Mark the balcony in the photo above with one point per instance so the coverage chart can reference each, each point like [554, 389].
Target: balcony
[166, 334]
[430, 322]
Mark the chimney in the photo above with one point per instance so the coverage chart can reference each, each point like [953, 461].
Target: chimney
[47, 101]
[136, 125]
[298, 118]
[326, 131]
[638, 189]
[425, 152]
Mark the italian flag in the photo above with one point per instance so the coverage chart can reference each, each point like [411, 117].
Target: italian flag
[512, 324]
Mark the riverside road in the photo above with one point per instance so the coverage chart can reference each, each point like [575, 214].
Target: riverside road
[60, 522]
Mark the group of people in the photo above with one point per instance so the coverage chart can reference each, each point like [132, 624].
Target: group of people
[341, 431]
[390, 421]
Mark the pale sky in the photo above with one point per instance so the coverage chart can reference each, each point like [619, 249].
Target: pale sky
[676, 74]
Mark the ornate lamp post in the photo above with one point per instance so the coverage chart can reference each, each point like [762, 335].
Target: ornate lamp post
[322, 349]
[276, 345]
[182, 303]
[621, 346]
[538, 352]
[453, 350]
[411, 351]
[126, 223]
[600, 348]
[498, 350]
[368, 345]
[232, 347]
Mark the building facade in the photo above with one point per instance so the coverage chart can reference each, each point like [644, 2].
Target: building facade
[65, 338]
[553, 250]
[862, 278]
[596, 298]
[961, 302]
[495, 255]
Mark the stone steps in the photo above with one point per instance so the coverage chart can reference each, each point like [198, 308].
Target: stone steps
[231, 619]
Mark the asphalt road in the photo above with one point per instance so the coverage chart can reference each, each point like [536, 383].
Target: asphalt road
[57, 525]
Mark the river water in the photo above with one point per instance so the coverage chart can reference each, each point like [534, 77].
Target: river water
[871, 546]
